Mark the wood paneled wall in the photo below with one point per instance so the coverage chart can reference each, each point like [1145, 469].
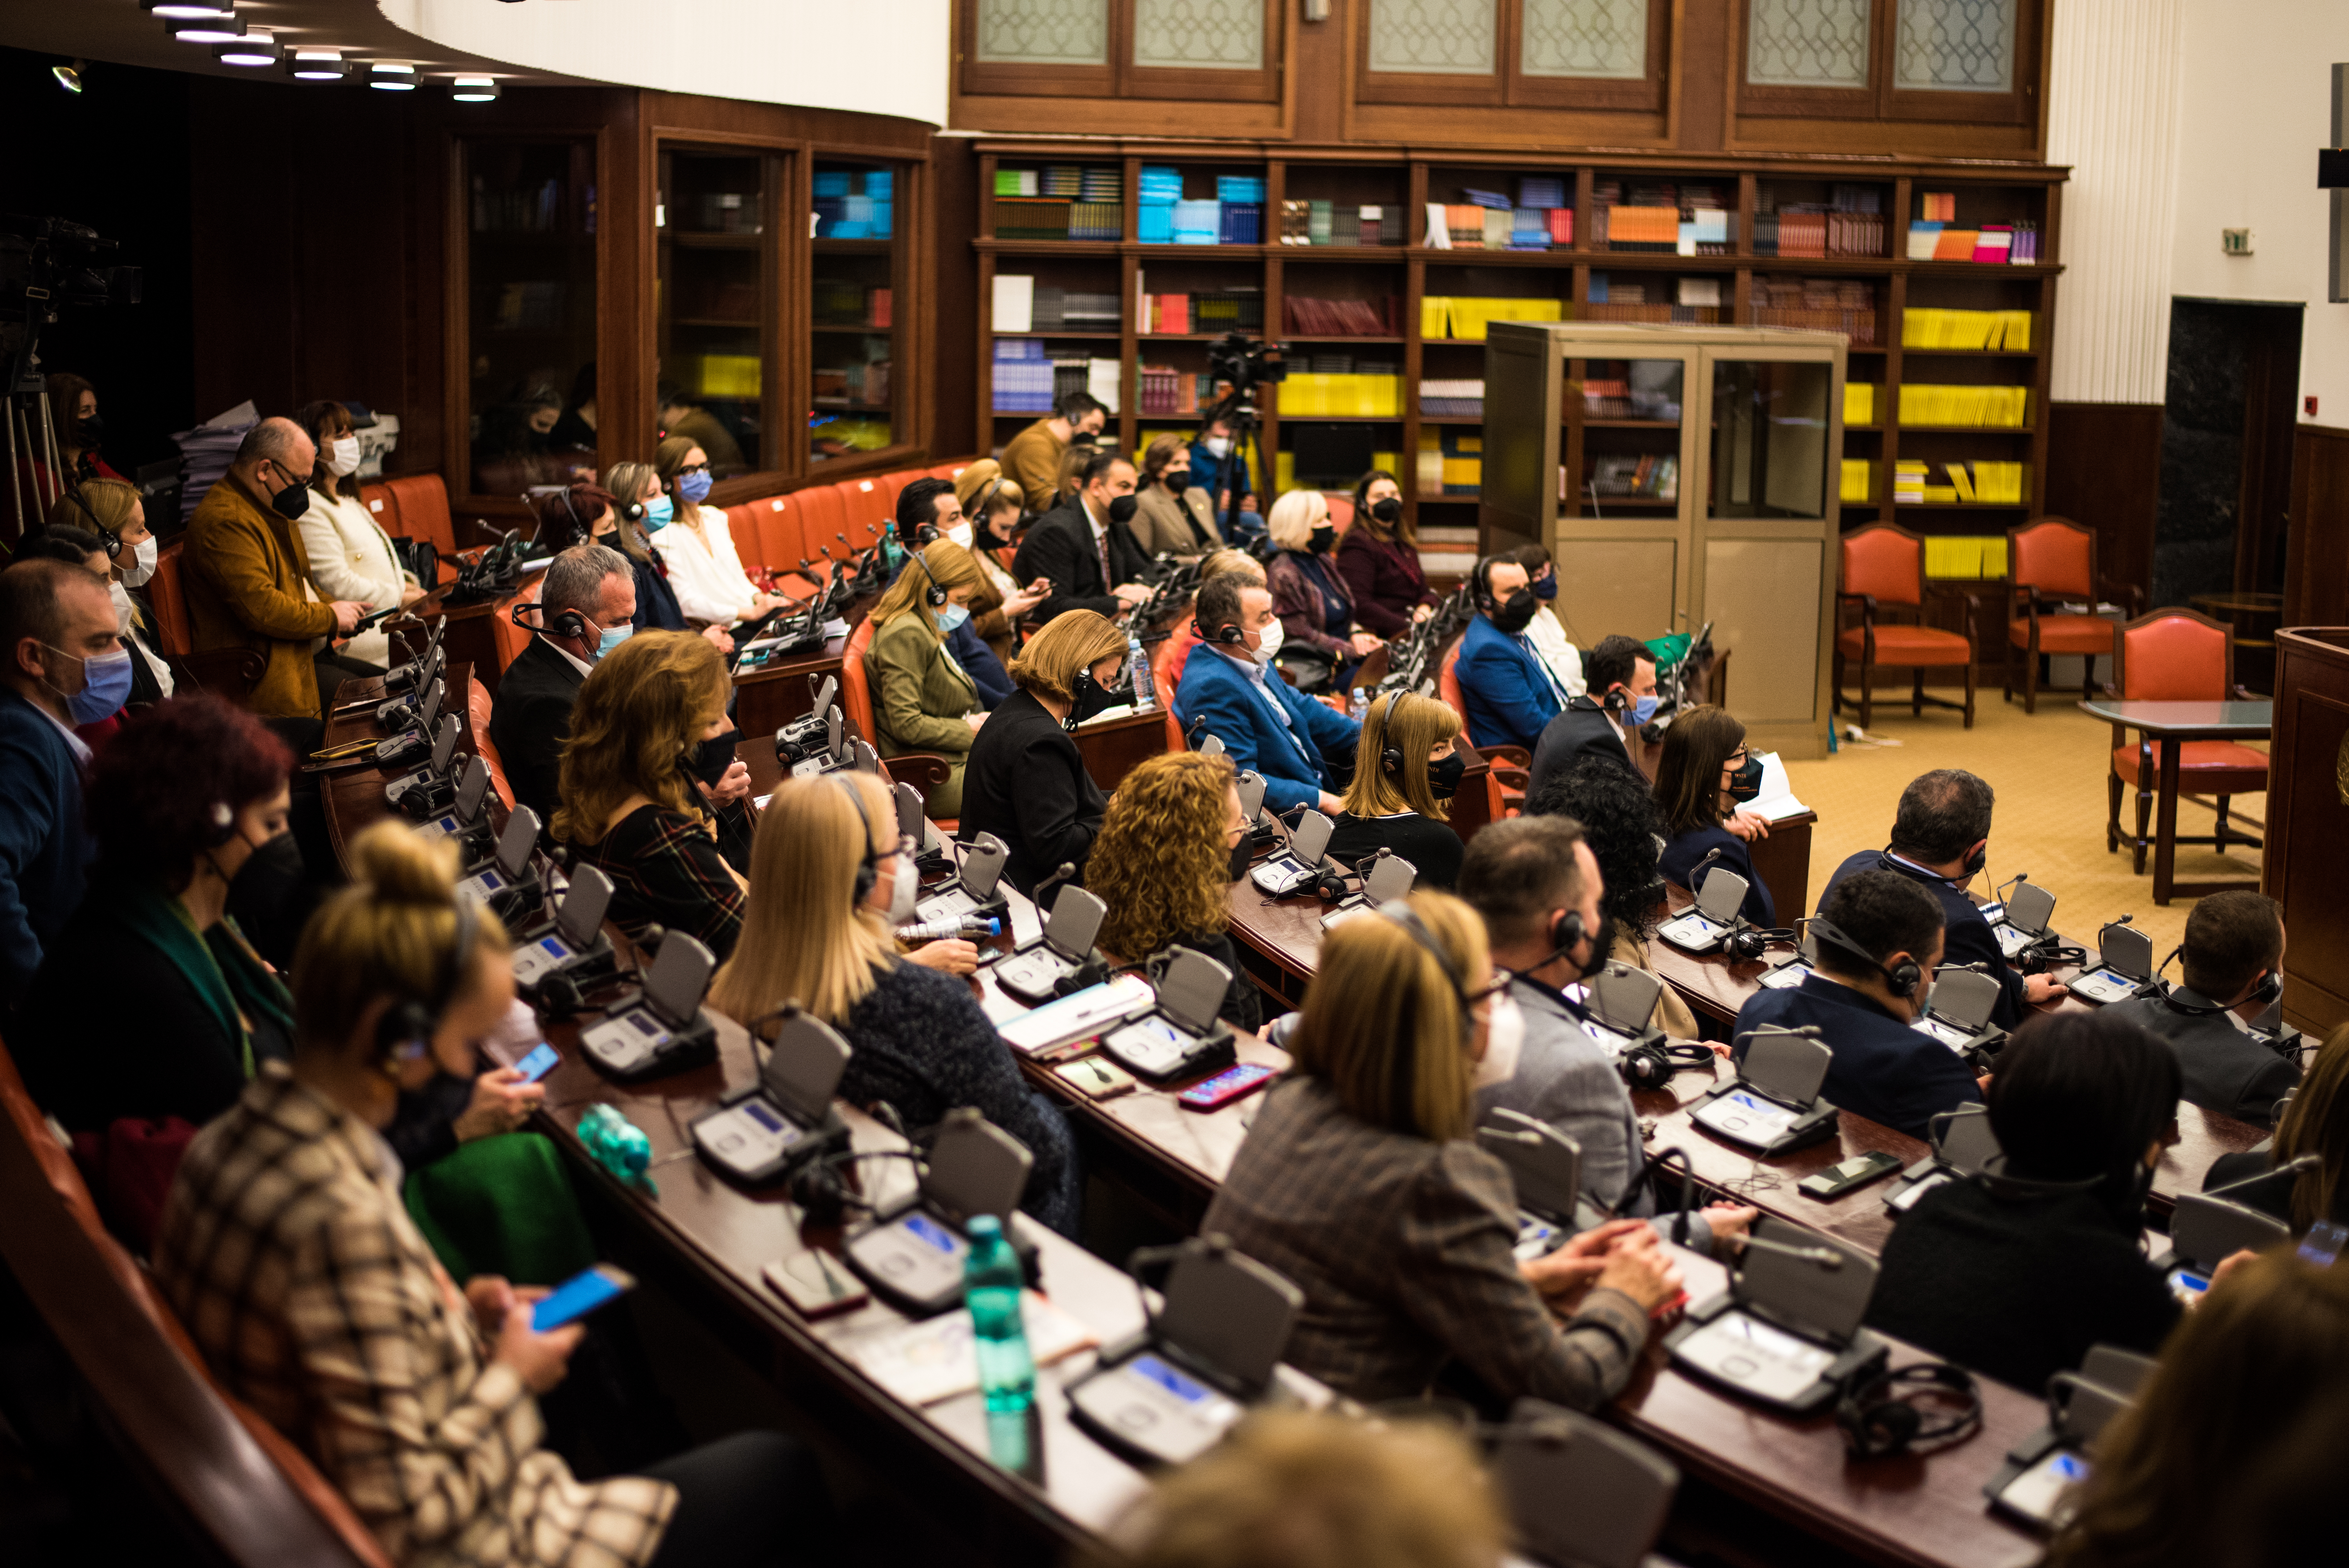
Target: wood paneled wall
[2104, 470]
[2316, 577]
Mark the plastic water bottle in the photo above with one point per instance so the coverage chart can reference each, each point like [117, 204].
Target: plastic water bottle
[991, 1282]
[967, 926]
[1145, 691]
[616, 1143]
[1358, 704]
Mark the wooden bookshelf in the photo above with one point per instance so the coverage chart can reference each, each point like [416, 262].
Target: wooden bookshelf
[1407, 178]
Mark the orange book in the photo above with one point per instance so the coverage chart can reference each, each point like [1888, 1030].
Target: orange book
[1955, 245]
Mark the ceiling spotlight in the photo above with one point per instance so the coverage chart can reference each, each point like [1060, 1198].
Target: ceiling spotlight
[253, 49]
[69, 77]
[474, 89]
[392, 79]
[207, 30]
[316, 65]
[188, 10]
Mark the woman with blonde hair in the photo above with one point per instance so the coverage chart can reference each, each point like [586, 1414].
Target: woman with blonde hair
[286, 1250]
[991, 505]
[920, 1039]
[697, 547]
[923, 699]
[1361, 1181]
[1162, 864]
[1026, 781]
[1407, 765]
[644, 511]
[1308, 594]
[1707, 772]
[102, 507]
[629, 804]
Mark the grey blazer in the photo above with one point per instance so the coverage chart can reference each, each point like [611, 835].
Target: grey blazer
[2226, 1070]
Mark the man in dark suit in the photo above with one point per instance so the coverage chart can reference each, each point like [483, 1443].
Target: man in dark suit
[1621, 676]
[2223, 1019]
[589, 597]
[1940, 840]
[1083, 548]
[1875, 972]
[65, 667]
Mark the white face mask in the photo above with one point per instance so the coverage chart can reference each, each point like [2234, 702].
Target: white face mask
[1219, 446]
[1505, 1040]
[960, 534]
[343, 455]
[121, 609]
[143, 559]
[1267, 644]
[904, 890]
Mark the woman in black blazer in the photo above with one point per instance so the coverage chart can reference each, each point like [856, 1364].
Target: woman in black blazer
[1705, 775]
[1026, 781]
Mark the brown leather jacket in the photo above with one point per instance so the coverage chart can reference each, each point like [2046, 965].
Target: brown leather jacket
[244, 572]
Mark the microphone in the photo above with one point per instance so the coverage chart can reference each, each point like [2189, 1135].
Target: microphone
[1826, 1257]
[1808, 1031]
[2289, 1168]
[1067, 869]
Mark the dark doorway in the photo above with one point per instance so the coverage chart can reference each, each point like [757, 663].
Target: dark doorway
[2226, 447]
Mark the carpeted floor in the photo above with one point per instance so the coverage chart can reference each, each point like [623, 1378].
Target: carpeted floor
[2049, 770]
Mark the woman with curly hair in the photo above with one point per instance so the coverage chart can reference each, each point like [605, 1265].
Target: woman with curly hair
[629, 805]
[1162, 863]
[1621, 825]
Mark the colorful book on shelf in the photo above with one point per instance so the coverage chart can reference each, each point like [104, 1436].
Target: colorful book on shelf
[1954, 245]
[1974, 407]
[1650, 228]
[1464, 317]
[1965, 556]
[1859, 403]
[1993, 244]
[1858, 480]
[1541, 190]
[1451, 400]
[1438, 227]
[1924, 327]
[1923, 238]
[1938, 206]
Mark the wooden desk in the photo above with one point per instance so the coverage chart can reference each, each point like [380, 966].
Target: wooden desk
[2169, 726]
[1783, 862]
[1113, 747]
[768, 697]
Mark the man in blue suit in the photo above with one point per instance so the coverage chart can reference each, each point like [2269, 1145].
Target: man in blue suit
[65, 667]
[1230, 691]
[1510, 692]
[1940, 840]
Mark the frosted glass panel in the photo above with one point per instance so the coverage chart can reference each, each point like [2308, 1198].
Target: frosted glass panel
[1586, 38]
[1806, 43]
[1441, 37]
[1199, 35]
[1956, 46]
[1043, 32]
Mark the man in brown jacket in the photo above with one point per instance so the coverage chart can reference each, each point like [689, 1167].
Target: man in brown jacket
[1032, 457]
[247, 576]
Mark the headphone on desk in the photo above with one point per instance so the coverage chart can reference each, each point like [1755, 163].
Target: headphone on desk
[1881, 1416]
[1901, 979]
[406, 1029]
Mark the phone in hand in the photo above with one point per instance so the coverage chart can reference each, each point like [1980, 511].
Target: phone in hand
[541, 1061]
[580, 1294]
[1231, 1084]
[2324, 1242]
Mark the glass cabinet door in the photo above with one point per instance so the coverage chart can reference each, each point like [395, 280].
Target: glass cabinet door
[716, 305]
[530, 311]
[1631, 419]
[853, 310]
[1769, 438]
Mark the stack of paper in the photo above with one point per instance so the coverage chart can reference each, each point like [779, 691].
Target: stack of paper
[922, 1363]
[1776, 800]
[206, 451]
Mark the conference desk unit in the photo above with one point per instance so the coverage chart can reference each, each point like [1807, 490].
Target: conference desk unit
[471, 634]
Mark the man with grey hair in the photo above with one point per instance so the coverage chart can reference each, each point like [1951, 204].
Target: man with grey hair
[247, 577]
[588, 604]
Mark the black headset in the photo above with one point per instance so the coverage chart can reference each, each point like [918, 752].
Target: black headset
[1484, 577]
[1391, 755]
[2271, 987]
[934, 594]
[868, 869]
[1230, 636]
[1880, 1417]
[106, 536]
[1901, 979]
[406, 1029]
[564, 624]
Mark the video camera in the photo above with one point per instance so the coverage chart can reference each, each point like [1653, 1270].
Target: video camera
[47, 263]
[1245, 361]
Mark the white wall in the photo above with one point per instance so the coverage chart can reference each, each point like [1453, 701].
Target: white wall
[882, 57]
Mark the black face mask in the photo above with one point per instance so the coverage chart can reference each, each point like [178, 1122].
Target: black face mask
[1745, 784]
[1241, 856]
[91, 429]
[1176, 481]
[1387, 510]
[1122, 509]
[1444, 778]
[1323, 538]
[1515, 613]
[1087, 696]
[709, 760]
[292, 502]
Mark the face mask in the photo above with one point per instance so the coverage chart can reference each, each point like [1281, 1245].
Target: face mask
[1323, 538]
[1219, 446]
[960, 534]
[905, 891]
[1745, 784]
[105, 682]
[1176, 481]
[343, 455]
[657, 511]
[121, 601]
[1087, 696]
[1545, 588]
[1444, 778]
[142, 556]
[1122, 509]
[292, 502]
[271, 878]
[951, 617]
[91, 428]
[1505, 1039]
[611, 638]
[1387, 510]
[1515, 613]
[1643, 708]
[710, 759]
[1268, 642]
[693, 487]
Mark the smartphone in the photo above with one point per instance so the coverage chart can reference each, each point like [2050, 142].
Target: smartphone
[2188, 1285]
[580, 1294]
[1857, 1172]
[538, 1063]
[1231, 1084]
[2323, 1243]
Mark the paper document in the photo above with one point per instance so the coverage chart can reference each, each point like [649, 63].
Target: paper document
[1015, 302]
[1776, 803]
[922, 1363]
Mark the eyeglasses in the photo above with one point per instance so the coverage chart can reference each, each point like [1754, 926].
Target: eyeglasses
[693, 469]
[1235, 833]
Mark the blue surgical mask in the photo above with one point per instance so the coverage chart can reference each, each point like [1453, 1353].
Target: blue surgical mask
[657, 511]
[613, 637]
[952, 615]
[1546, 587]
[1643, 708]
[106, 683]
[694, 488]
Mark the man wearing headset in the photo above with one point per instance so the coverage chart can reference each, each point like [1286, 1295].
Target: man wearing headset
[1510, 694]
[1940, 840]
[2223, 1020]
[588, 604]
[1537, 886]
[1621, 676]
[1239, 699]
[1879, 939]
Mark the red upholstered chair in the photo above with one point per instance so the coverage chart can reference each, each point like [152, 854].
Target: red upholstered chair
[924, 770]
[227, 672]
[782, 542]
[509, 639]
[742, 527]
[423, 504]
[1884, 575]
[1161, 679]
[867, 507]
[479, 705]
[2053, 560]
[824, 522]
[2179, 655]
[1341, 512]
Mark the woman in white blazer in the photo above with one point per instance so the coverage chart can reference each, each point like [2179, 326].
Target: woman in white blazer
[351, 557]
[697, 546]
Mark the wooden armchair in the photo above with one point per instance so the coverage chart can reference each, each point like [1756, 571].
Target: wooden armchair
[2179, 655]
[2052, 562]
[1884, 578]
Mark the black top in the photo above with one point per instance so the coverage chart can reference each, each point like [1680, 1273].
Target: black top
[1966, 937]
[1431, 847]
[531, 719]
[2018, 1288]
[1581, 730]
[2268, 1197]
[1026, 783]
[656, 608]
[665, 870]
[424, 1127]
[1060, 547]
[1684, 853]
[920, 1041]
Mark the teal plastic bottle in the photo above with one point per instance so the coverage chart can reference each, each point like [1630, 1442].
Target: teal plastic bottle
[991, 1281]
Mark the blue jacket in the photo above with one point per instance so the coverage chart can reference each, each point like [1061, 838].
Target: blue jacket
[1967, 939]
[1295, 774]
[979, 663]
[1681, 857]
[44, 850]
[1510, 694]
[1883, 1069]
